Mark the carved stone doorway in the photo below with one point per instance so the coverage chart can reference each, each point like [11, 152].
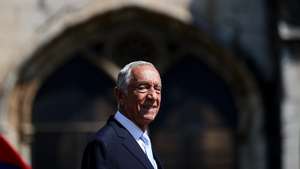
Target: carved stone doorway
[76, 71]
[73, 102]
[196, 127]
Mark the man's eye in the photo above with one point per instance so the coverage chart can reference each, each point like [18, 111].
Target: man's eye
[142, 88]
[157, 88]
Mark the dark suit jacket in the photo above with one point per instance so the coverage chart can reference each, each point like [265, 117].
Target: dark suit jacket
[115, 148]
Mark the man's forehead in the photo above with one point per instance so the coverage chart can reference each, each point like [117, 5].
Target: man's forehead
[145, 69]
[145, 72]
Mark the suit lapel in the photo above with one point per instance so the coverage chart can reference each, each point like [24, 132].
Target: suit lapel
[130, 144]
[133, 147]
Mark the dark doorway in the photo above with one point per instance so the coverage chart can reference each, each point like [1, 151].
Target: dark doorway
[72, 99]
[196, 124]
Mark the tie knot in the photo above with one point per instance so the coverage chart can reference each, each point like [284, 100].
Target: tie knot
[145, 139]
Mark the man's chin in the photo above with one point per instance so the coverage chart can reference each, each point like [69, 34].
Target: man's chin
[149, 116]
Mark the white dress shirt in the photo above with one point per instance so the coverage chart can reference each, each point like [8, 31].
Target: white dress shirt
[142, 138]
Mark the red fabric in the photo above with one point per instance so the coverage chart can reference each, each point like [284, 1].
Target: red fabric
[10, 156]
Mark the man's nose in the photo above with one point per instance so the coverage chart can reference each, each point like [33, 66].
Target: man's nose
[152, 93]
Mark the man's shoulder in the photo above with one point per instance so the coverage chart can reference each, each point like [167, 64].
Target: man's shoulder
[108, 132]
[105, 132]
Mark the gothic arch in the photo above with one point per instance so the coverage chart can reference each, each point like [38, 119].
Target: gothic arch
[167, 39]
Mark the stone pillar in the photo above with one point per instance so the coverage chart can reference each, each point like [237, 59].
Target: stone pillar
[291, 111]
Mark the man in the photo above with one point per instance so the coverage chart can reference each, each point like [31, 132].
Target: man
[123, 143]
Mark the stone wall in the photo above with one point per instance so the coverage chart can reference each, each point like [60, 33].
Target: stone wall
[29, 24]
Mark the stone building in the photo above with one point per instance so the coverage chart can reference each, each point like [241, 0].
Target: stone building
[229, 99]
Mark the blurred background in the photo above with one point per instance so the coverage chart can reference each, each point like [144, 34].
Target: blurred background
[230, 72]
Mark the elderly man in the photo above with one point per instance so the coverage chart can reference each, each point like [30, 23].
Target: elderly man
[124, 143]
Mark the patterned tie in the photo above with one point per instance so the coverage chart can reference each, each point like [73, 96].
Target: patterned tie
[148, 149]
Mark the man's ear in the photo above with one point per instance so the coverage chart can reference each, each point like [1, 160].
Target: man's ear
[119, 94]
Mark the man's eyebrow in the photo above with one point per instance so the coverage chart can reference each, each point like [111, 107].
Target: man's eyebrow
[147, 83]
[142, 82]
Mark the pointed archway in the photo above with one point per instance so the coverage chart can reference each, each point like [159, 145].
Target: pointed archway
[110, 40]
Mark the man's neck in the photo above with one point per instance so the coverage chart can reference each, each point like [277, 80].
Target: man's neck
[127, 115]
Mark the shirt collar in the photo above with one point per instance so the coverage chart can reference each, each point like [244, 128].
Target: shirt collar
[133, 129]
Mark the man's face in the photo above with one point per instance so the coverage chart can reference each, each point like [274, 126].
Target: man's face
[142, 101]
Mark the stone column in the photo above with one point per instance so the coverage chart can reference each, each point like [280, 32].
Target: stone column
[291, 111]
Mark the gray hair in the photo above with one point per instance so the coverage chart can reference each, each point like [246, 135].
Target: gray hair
[124, 75]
